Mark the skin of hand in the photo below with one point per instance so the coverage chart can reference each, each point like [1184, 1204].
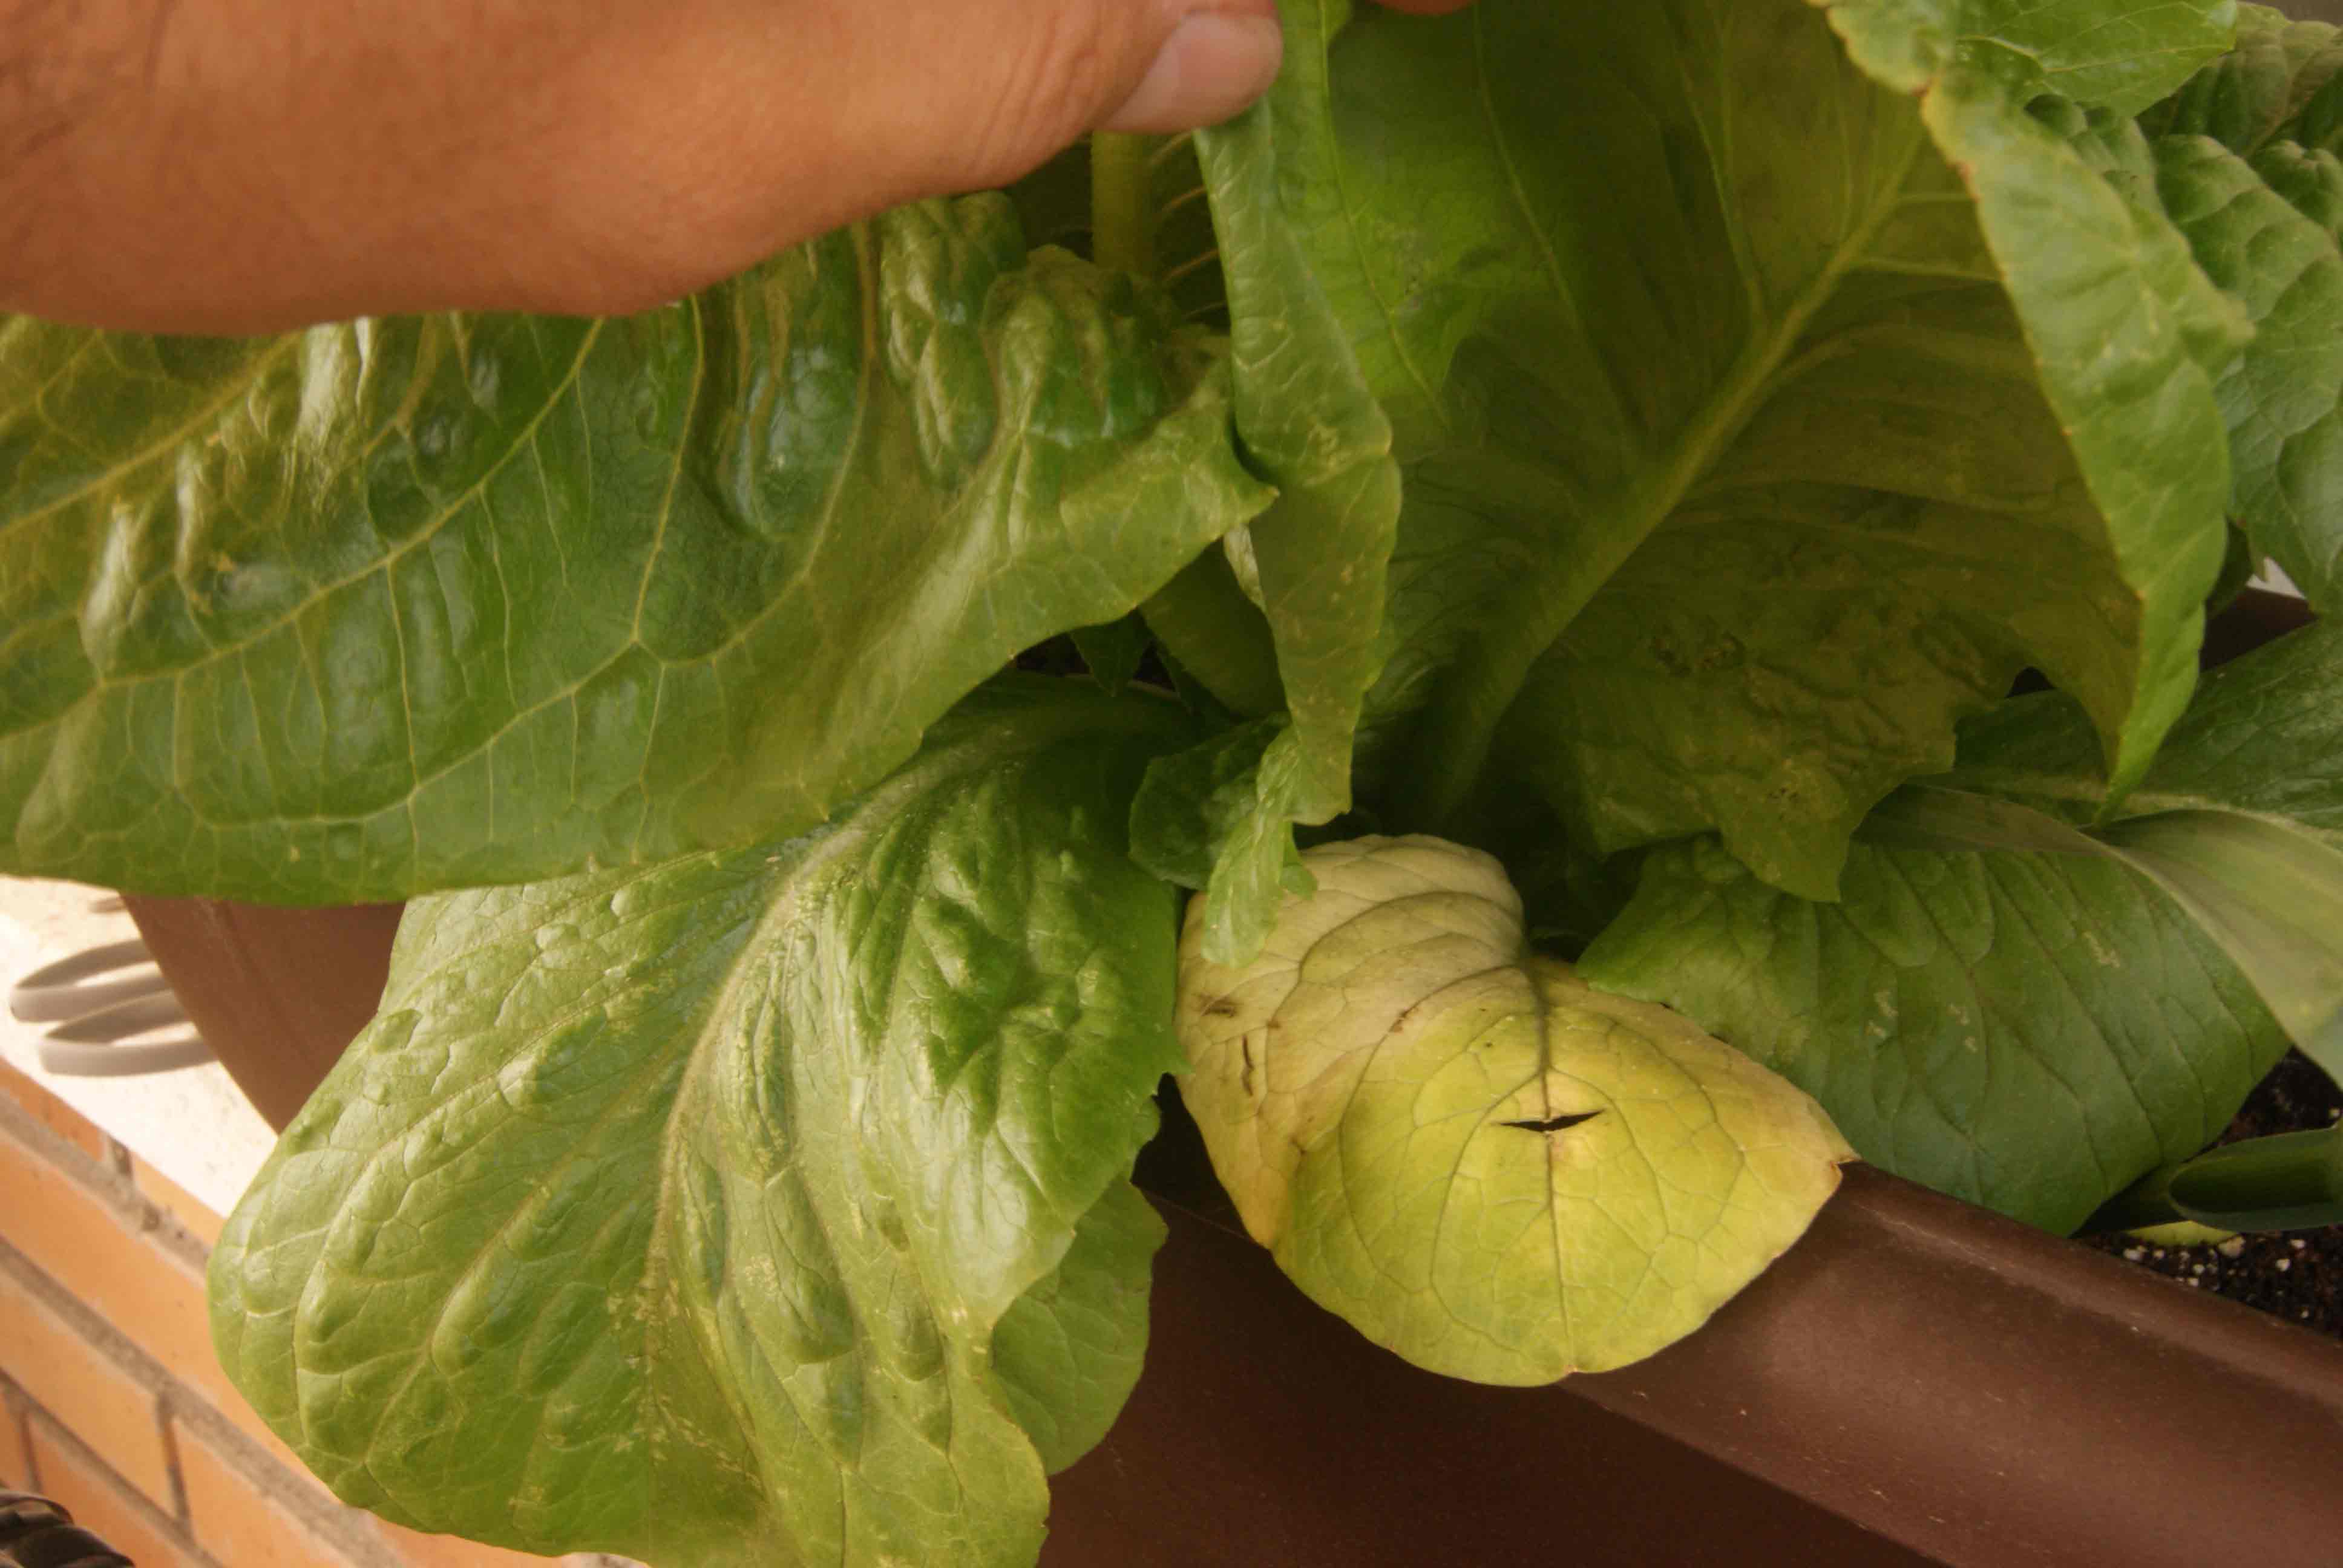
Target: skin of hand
[242, 165]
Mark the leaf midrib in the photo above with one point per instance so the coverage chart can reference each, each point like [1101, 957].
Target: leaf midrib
[1533, 617]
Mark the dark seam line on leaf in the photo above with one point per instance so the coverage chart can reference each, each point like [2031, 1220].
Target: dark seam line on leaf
[1554, 1123]
[1342, 1121]
[1448, 1184]
[1542, 1012]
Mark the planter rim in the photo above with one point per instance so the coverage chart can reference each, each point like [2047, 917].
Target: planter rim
[1985, 1393]
[1975, 1390]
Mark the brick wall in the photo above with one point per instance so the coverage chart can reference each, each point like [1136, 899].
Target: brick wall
[110, 1401]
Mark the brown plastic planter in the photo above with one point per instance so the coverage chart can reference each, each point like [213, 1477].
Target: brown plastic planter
[1918, 1381]
[277, 993]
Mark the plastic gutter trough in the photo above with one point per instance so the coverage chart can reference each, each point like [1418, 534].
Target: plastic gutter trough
[1918, 1380]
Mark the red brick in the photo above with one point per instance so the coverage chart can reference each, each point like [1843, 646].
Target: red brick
[52, 1113]
[177, 1201]
[93, 1248]
[15, 1458]
[150, 1294]
[79, 1384]
[98, 1254]
[101, 1504]
[237, 1521]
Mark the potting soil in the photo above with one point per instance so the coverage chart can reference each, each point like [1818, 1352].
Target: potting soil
[2297, 1276]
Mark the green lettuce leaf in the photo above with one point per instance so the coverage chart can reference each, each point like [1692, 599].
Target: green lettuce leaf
[1311, 423]
[2035, 1025]
[2264, 739]
[2268, 896]
[403, 605]
[1309, 572]
[1771, 384]
[1113, 653]
[1218, 818]
[2028, 1031]
[761, 1207]
[1211, 630]
[2277, 83]
[2261, 208]
[1483, 1162]
[2241, 821]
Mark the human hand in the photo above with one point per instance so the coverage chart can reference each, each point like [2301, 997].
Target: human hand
[244, 165]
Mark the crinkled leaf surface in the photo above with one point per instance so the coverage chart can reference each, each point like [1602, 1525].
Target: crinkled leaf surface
[2264, 738]
[1485, 1164]
[412, 604]
[2028, 1031]
[2276, 83]
[2261, 210]
[1748, 444]
[1068, 1351]
[757, 1206]
[1218, 818]
[2240, 820]
[1308, 420]
[1310, 571]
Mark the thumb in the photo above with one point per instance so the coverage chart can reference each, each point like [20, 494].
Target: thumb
[1016, 83]
[1212, 62]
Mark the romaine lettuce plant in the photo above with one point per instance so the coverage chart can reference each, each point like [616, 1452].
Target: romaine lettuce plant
[1548, 509]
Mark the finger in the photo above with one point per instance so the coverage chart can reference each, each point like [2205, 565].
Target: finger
[795, 116]
[1008, 82]
[261, 163]
[1212, 65]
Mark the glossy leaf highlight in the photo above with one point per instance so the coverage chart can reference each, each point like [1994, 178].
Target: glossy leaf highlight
[1732, 484]
[383, 607]
[758, 1207]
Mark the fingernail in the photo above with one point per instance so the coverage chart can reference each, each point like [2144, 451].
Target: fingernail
[1213, 64]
